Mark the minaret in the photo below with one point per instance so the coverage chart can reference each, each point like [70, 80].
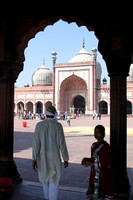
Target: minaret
[54, 54]
[94, 54]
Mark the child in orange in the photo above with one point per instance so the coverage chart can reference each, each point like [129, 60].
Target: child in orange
[100, 182]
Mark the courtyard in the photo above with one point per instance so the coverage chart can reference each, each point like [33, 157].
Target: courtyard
[79, 137]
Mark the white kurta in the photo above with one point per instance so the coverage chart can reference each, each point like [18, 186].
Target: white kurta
[48, 142]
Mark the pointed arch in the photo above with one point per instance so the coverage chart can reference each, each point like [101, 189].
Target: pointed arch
[73, 82]
[129, 107]
[103, 107]
[70, 87]
[29, 107]
[39, 107]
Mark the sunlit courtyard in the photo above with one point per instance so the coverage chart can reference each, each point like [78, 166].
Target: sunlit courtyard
[79, 137]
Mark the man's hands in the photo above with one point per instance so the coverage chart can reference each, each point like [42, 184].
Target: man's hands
[34, 165]
[66, 164]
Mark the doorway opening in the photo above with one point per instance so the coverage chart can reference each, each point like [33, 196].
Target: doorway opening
[79, 105]
[103, 107]
[39, 107]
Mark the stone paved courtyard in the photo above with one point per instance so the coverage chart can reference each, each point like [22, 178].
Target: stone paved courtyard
[79, 137]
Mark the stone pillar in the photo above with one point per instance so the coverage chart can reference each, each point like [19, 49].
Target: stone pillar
[7, 164]
[118, 67]
[34, 108]
[118, 133]
[115, 48]
[43, 108]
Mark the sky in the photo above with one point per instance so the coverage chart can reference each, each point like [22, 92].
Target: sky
[66, 39]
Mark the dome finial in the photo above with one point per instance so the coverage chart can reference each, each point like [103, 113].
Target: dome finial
[43, 62]
[83, 43]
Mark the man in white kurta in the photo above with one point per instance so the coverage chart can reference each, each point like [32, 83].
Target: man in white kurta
[49, 142]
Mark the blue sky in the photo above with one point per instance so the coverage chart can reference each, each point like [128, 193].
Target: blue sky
[66, 39]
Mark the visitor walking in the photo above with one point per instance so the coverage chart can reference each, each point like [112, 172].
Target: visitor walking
[94, 115]
[68, 119]
[48, 142]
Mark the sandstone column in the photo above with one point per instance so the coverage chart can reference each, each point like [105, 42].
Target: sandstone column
[7, 79]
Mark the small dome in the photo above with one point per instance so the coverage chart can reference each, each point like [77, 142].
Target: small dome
[43, 76]
[104, 81]
[94, 50]
[130, 77]
[26, 85]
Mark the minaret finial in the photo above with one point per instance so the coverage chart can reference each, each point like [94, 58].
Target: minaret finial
[43, 61]
[83, 43]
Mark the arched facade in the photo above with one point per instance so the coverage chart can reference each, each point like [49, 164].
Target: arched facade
[80, 76]
[31, 95]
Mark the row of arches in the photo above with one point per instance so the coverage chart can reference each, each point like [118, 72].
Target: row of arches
[38, 107]
[103, 107]
[78, 103]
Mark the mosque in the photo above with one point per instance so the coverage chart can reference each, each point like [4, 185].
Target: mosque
[74, 87]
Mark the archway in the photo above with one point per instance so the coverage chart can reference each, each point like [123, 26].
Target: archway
[29, 107]
[79, 105]
[48, 103]
[103, 107]
[39, 107]
[129, 107]
[20, 109]
[71, 87]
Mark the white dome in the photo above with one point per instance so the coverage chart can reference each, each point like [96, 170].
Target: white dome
[84, 56]
[130, 77]
[43, 76]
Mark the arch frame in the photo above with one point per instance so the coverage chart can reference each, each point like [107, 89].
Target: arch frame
[103, 107]
[38, 25]
[70, 87]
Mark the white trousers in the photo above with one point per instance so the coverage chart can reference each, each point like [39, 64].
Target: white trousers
[50, 191]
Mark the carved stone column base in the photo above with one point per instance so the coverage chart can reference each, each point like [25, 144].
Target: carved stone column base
[121, 185]
[9, 169]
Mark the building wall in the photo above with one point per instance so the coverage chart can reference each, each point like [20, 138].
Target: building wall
[36, 94]
[82, 70]
[66, 93]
